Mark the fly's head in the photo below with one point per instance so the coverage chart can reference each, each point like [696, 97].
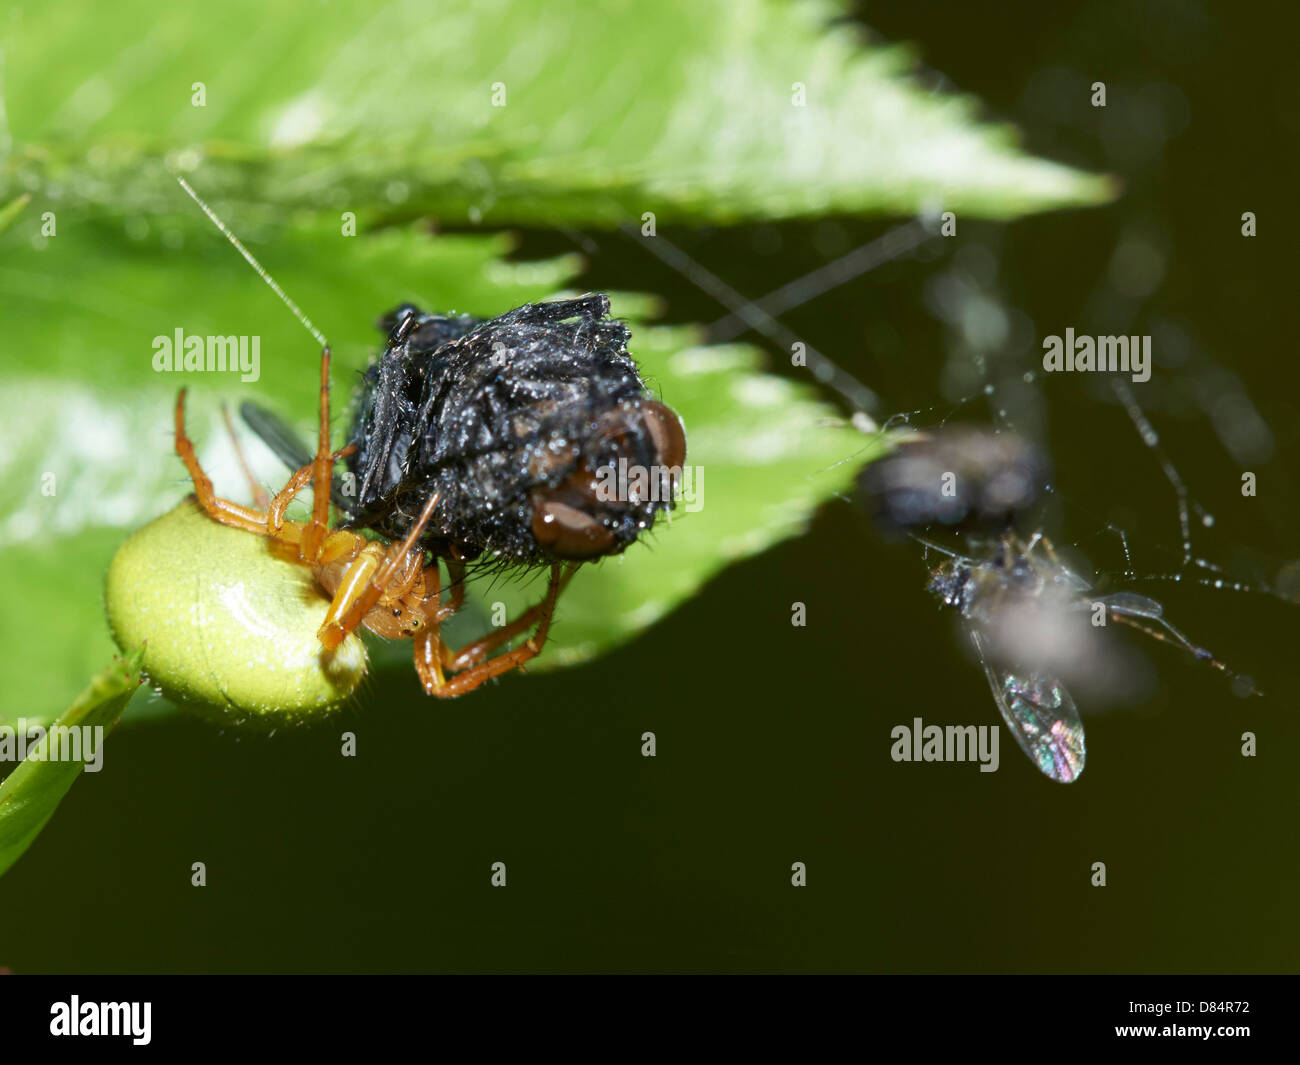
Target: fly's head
[630, 461]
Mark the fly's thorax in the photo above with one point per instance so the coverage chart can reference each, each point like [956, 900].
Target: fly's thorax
[982, 589]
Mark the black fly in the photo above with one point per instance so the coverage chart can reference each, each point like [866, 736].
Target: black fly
[506, 440]
[513, 421]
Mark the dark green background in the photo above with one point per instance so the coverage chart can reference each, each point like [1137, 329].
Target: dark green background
[774, 741]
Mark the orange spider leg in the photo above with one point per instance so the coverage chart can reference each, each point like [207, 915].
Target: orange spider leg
[432, 656]
[296, 483]
[494, 667]
[472, 654]
[322, 470]
[218, 509]
[334, 545]
[456, 575]
[428, 645]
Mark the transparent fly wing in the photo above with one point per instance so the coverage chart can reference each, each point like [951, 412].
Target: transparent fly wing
[276, 434]
[286, 445]
[1041, 715]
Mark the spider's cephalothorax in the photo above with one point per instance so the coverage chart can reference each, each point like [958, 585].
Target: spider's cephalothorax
[534, 429]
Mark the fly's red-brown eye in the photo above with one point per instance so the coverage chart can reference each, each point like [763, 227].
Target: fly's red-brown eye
[563, 522]
[642, 448]
[667, 432]
[569, 533]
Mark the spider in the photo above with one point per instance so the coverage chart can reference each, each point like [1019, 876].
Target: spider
[473, 437]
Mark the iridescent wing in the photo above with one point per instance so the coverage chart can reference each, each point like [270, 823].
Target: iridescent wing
[1040, 714]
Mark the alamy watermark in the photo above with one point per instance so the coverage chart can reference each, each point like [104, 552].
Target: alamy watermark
[75, 1017]
[626, 483]
[214, 354]
[919, 742]
[1131, 355]
[64, 743]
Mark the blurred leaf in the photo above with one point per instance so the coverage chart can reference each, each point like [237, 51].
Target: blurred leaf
[32, 792]
[88, 454]
[10, 211]
[609, 110]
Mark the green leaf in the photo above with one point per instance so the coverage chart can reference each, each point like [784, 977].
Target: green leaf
[88, 456]
[32, 792]
[10, 211]
[507, 112]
